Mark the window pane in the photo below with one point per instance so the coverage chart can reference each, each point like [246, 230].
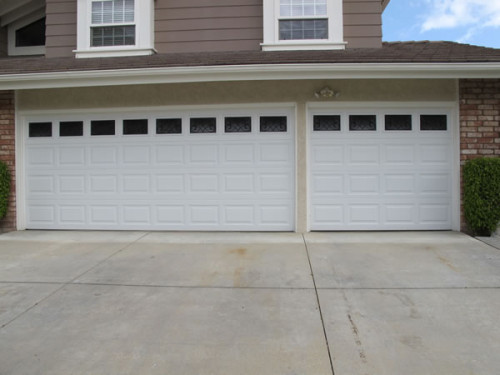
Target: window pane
[238, 124]
[40, 129]
[301, 8]
[71, 128]
[362, 122]
[102, 127]
[327, 123]
[169, 126]
[31, 35]
[115, 11]
[203, 125]
[433, 122]
[113, 36]
[273, 124]
[135, 127]
[303, 29]
[398, 122]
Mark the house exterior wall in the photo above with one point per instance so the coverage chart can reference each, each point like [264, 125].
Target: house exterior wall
[211, 25]
[8, 153]
[249, 92]
[3, 42]
[479, 122]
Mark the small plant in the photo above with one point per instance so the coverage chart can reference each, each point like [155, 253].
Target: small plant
[482, 195]
[4, 189]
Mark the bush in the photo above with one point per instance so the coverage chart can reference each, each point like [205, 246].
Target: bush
[4, 189]
[482, 195]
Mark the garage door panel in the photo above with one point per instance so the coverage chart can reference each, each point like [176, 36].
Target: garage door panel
[135, 183]
[41, 157]
[362, 184]
[72, 156]
[203, 154]
[328, 155]
[72, 184]
[361, 154]
[174, 183]
[72, 215]
[399, 184]
[103, 156]
[169, 154]
[239, 153]
[135, 156]
[400, 154]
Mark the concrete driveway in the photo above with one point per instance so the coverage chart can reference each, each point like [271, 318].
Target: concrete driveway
[248, 303]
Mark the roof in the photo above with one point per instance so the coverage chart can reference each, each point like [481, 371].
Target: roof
[442, 58]
[394, 52]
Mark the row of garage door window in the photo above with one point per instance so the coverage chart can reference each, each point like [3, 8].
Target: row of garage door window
[237, 125]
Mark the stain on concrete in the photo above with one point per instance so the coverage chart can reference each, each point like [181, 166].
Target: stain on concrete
[241, 252]
[414, 342]
[447, 263]
[357, 339]
[408, 302]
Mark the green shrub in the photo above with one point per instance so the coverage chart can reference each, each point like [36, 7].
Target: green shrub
[482, 195]
[4, 189]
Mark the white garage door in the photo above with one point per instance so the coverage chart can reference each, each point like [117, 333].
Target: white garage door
[206, 170]
[374, 170]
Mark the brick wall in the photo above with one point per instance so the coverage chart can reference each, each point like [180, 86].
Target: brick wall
[479, 122]
[7, 153]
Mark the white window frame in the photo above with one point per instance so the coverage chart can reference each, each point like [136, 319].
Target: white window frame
[272, 41]
[13, 27]
[144, 32]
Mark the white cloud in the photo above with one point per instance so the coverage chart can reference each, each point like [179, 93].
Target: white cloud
[471, 14]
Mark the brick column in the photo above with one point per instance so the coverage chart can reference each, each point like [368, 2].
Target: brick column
[8, 154]
[479, 123]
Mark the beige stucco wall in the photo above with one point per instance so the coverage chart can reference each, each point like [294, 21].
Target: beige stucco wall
[298, 92]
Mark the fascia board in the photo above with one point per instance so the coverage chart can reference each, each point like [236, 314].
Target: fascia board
[248, 72]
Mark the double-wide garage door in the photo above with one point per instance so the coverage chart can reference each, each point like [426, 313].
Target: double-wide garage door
[171, 170]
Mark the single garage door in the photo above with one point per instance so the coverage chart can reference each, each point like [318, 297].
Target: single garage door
[380, 170]
[169, 170]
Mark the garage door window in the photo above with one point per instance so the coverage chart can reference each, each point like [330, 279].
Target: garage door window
[238, 124]
[102, 127]
[40, 129]
[134, 127]
[433, 122]
[327, 123]
[362, 122]
[169, 126]
[203, 125]
[397, 122]
[272, 124]
[71, 128]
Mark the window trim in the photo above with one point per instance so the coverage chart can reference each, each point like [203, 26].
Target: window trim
[144, 29]
[13, 27]
[335, 39]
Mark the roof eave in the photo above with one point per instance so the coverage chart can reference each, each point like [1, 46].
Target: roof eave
[122, 77]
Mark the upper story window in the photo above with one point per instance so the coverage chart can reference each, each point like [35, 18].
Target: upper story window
[115, 28]
[303, 24]
[27, 35]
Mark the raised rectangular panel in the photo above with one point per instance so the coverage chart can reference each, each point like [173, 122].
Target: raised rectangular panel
[204, 214]
[40, 157]
[364, 154]
[172, 214]
[328, 184]
[135, 155]
[435, 154]
[275, 214]
[41, 214]
[170, 154]
[328, 214]
[136, 214]
[239, 183]
[400, 213]
[399, 184]
[41, 184]
[71, 184]
[102, 155]
[72, 214]
[435, 183]
[204, 183]
[403, 154]
[330, 154]
[363, 184]
[136, 184]
[170, 183]
[104, 214]
[364, 213]
[239, 153]
[103, 184]
[72, 156]
[274, 183]
[274, 153]
[239, 215]
[434, 213]
[203, 153]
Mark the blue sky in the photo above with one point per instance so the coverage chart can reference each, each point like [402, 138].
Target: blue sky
[465, 21]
